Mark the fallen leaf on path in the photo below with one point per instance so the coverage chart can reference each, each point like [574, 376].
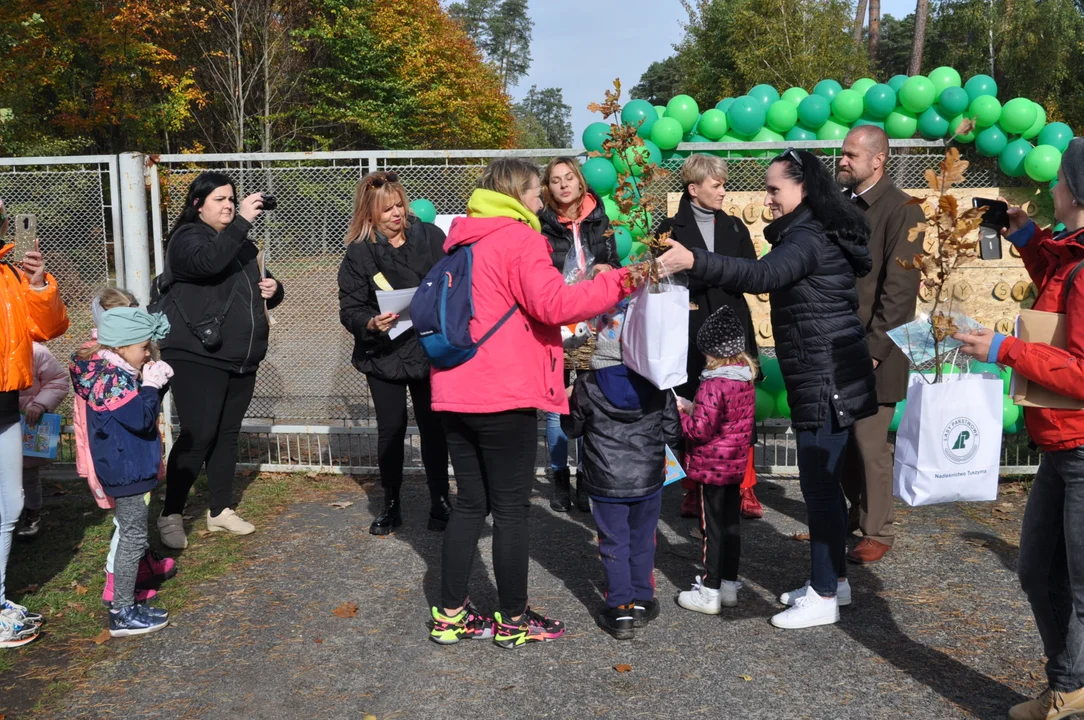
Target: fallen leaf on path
[318, 640]
[341, 504]
[346, 610]
[310, 475]
[203, 533]
[746, 678]
[27, 589]
[80, 590]
[369, 717]
[622, 668]
[800, 536]
[101, 637]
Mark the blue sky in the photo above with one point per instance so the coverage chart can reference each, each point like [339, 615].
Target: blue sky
[582, 45]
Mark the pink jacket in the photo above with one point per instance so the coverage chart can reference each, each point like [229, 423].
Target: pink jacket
[84, 465]
[521, 365]
[719, 431]
[48, 388]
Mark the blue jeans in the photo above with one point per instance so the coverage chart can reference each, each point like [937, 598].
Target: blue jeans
[820, 465]
[11, 492]
[556, 441]
[1051, 565]
[626, 544]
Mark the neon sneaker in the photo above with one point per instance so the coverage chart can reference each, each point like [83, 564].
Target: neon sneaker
[141, 596]
[154, 569]
[469, 624]
[531, 627]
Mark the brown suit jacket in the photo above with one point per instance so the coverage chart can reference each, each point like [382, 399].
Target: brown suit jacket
[887, 296]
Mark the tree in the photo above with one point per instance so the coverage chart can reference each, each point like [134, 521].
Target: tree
[922, 11]
[529, 130]
[875, 29]
[502, 30]
[660, 82]
[894, 51]
[548, 107]
[859, 21]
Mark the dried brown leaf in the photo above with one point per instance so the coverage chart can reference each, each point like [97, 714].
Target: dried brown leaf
[933, 180]
[622, 668]
[102, 637]
[80, 590]
[341, 504]
[800, 536]
[346, 610]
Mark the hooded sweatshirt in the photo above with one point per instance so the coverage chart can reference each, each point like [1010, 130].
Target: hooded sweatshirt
[521, 365]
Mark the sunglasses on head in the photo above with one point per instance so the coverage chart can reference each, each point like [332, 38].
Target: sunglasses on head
[792, 154]
[378, 181]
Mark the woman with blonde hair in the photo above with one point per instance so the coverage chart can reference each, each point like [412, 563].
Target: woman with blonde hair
[489, 403]
[388, 248]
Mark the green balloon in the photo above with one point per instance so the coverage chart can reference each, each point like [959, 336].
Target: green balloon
[424, 210]
[932, 125]
[800, 133]
[666, 133]
[766, 94]
[943, 78]
[847, 106]
[623, 238]
[977, 366]
[773, 377]
[1019, 426]
[1018, 115]
[832, 130]
[1011, 159]
[733, 137]
[795, 95]
[868, 120]
[746, 116]
[861, 85]
[638, 251]
[782, 116]
[612, 210]
[986, 110]
[880, 100]
[639, 114]
[594, 135]
[600, 174]
[1040, 122]
[814, 111]
[991, 141]
[636, 159]
[897, 416]
[954, 125]
[828, 89]
[765, 135]
[1010, 412]
[724, 104]
[901, 124]
[765, 405]
[1042, 163]
[1056, 134]
[1006, 379]
[685, 110]
[980, 85]
[917, 94]
[782, 405]
[897, 82]
[660, 110]
[953, 101]
[713, 124]
[640, 222]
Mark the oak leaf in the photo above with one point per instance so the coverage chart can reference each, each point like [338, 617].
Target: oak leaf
[346, 610]
[622, 668]
[101, 637]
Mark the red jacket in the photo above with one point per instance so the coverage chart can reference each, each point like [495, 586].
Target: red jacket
[719, 431]
[1049, 261]
[521, 366]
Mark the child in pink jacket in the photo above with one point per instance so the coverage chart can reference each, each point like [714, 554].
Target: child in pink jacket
[718, 429]
[47, 391]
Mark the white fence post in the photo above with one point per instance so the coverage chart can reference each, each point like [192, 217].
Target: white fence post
[137, 257]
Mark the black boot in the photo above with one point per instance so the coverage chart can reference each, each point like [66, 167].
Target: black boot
[439, 513]
[29, 525]
[387, 520]
[562, 490]
[583, 502]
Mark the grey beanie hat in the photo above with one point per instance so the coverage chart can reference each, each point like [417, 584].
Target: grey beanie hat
[721, 335]
[1072, 164]
[608, 341]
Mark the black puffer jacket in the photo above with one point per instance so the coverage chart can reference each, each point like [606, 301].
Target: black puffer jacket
[820, 341]
[403, 267]
[623, 442]
[216, 274]
[592, 235]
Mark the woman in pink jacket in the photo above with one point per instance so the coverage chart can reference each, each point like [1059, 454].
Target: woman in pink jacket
[490, 402]
[47, 390]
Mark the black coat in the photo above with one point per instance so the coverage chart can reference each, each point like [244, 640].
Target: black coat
[209, 273]
[403, 267]
[592, 235]
[820, 342]
[624, 453]
[731, 240]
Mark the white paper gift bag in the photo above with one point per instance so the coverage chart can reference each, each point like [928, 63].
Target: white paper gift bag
[948, 446]
[655, 337]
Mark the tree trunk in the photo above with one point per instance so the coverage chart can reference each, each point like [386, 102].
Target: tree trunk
[918, 47]
[859, 22]
[874, 30]
[267, 79]
[240, 98]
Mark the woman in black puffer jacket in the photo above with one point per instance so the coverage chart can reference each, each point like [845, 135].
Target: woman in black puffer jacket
[390, 249]
[818, 251]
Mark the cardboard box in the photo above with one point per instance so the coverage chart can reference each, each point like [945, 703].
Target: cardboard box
[1049, 328]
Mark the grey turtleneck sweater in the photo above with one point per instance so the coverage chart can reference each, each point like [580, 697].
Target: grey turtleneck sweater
[705, 220]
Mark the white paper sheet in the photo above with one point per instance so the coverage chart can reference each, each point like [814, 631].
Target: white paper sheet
[396, 301]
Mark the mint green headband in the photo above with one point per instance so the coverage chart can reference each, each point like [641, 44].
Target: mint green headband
[128, 326]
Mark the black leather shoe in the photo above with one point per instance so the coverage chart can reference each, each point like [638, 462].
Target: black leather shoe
[583, 501]
[644, 611]
[388, 520]
[439, 513]
[562, 491]
[617, 621]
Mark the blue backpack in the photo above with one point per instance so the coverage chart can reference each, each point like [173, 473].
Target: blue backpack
[442, 309]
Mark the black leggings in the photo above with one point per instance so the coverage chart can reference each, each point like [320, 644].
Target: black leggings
[493, 456]
[721, 516]
[389, 399]
[211, 404]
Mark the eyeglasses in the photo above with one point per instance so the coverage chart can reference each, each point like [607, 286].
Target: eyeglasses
[792, 154]
[378, 181]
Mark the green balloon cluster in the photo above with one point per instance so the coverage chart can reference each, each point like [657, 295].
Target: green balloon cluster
[424, 210]
[1012, 416]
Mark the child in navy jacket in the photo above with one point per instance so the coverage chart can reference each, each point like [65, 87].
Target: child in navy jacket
[123, 389]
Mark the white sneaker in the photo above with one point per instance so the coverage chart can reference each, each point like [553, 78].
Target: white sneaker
[843, 594]
[229, 521]
[171, 531]
[16, 634]
[810, 610]
[701, 599]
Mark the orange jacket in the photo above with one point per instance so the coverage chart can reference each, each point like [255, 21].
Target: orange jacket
[26, 315]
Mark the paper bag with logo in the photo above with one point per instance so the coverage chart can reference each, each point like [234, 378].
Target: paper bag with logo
[655, 339]
[948, 446]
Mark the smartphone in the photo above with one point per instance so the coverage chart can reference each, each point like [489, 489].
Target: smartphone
[26, 232]
[996, 217]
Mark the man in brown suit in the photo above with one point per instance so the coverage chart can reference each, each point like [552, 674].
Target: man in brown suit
[887, 297]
